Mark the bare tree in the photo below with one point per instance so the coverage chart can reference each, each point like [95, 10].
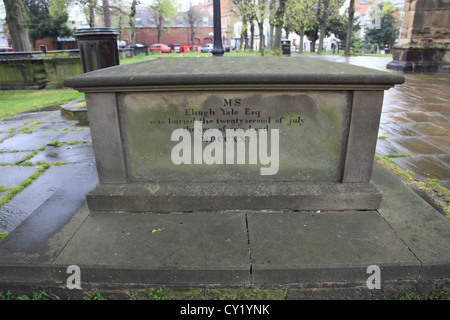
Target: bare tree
[192, 16]
[133, 23]
[160, 11]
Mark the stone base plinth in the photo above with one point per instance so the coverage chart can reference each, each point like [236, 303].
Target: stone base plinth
[421, 58]
[168, 197]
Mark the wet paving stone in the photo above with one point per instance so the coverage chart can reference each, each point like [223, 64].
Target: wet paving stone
[425, 116]
[12, 157]
[53, 126]
[425, 167]
[27, 116]
[12, 176]
[445, 125]
[30, 141]
[399, 130]
[438, 107]
[385, 147]
[10, 126]
[66, 153]
[3, 136]
[430, 129]
[80, 135]
[415, 146]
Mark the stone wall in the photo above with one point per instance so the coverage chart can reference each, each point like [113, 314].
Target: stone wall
[425, 20]
[36, 70]
[425, 39]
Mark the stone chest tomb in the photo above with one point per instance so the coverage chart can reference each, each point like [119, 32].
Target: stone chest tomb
[190, 134]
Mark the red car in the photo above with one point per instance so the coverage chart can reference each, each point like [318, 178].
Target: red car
[160, 47]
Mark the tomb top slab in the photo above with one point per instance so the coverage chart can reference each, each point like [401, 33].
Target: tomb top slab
[225, 71]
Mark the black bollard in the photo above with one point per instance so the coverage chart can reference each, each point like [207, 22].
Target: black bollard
[217, 51]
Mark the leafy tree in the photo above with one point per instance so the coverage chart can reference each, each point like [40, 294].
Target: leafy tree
[337, 25]
[244, 12]
[43, 25]
[385, 35]
[327, 9]
[299, 16]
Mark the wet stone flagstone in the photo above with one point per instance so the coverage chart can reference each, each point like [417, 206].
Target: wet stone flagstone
[50, 150]
[415, 121]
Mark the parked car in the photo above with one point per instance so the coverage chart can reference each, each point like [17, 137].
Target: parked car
[137, 45]
[6, 49]
[207, 48]
[161, 47]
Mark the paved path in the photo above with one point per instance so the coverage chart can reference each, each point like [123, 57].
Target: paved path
[42, 146]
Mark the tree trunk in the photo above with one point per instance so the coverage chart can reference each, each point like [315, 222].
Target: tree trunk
[321, 36]
[18, 21]
[132, 25]
[279, 25]
[244, 34]
[277, 38]
[192, 37]
[314, 39]
[271, 36]
[323, 16]
[351, 13]
[159, 27]
[252, 35]
[106, 13]
[302, 35]
[91, 11]
[261, 37]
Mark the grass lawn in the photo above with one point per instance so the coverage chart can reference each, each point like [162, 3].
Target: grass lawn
[16, 101]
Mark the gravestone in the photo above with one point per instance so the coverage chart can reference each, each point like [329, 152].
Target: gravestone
[190, 134]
